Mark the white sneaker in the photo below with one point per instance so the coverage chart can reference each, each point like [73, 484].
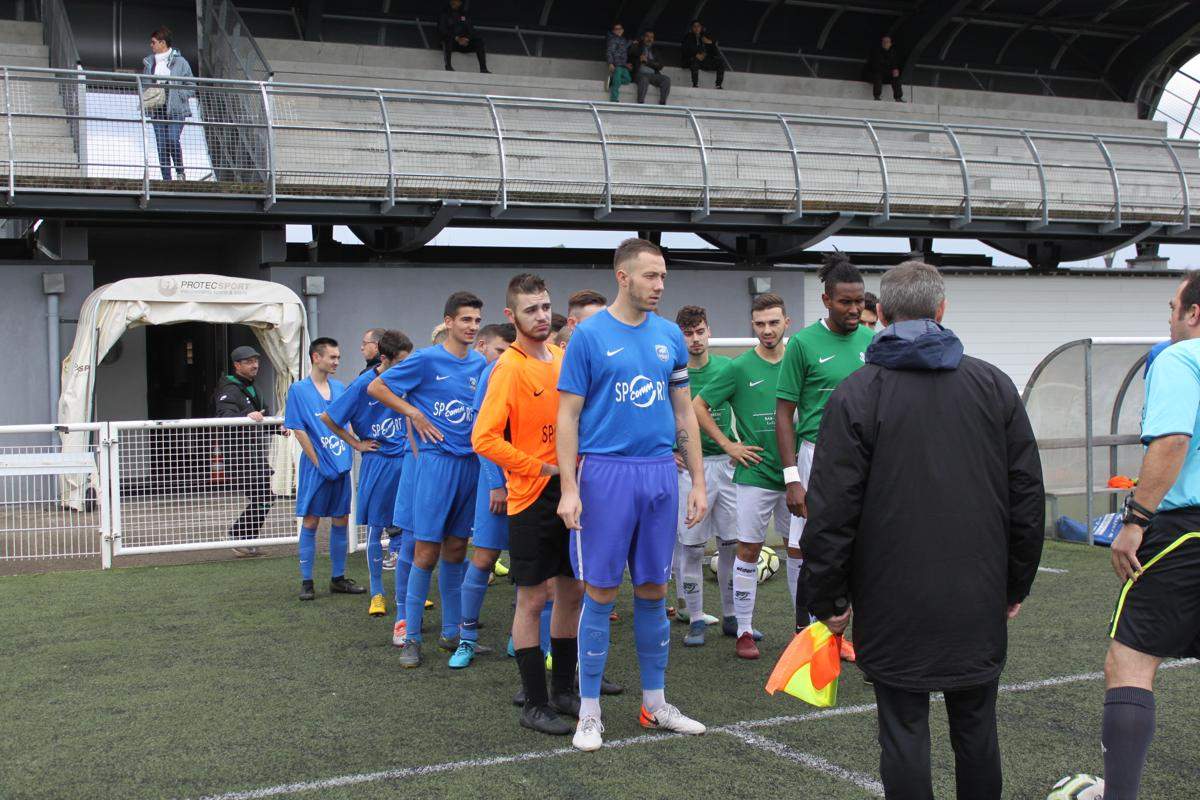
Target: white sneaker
[670, 718]
[587, 734]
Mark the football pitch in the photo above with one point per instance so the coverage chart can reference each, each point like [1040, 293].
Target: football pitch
[212, 680]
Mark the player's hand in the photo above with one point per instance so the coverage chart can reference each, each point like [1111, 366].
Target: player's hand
[745, 454]
[366, 445]
[679, 465]
[570, 509]
[697, 505]
[425, 429]
[1124, 552]
[1013, 610]
[837, 625]
[498, 500]
[549, 470]
[797, 500]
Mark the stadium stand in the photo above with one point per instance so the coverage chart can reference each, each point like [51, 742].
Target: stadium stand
[21, 45]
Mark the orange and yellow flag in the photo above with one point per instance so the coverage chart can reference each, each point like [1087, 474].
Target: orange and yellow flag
[809, 667]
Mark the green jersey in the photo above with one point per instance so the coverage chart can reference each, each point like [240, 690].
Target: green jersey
[748, 385]
[817, 360]
[699, 378]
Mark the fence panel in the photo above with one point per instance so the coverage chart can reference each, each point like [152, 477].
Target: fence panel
[37, 521]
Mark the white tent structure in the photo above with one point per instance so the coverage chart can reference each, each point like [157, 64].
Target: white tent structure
[272, 310]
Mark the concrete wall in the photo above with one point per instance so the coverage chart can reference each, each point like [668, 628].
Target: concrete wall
[25, 399]
[411, 297]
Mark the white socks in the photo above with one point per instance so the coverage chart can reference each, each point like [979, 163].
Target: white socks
[745, 587]
[726, 553]
[691, 580]
[652, 701]
[793, 572]
[589, 707]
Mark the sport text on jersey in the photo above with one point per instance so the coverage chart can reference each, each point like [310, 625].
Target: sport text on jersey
[455, 412]
[641, 391]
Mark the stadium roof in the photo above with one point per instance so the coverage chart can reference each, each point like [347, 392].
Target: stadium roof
[1108, 49]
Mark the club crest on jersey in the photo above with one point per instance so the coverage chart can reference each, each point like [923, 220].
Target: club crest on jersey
[662, 352]
[474, 382]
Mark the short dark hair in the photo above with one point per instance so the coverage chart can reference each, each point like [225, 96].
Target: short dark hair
[762, 302]
[584, 298]
[911, 290]
[461, 300]
[319, 344]
[632, 248]
[870, 301]
[691, 316]
[525, 283]
[557, 322]
[1190, 295]
[498, 330]
[392, 343]
[376, 334]
[164, 35]
[838, 269]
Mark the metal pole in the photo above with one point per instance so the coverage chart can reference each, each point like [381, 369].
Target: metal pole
[791, 140]
[502, 206]
[54, 356]
[270, 147]
[387, 140]
[1116, 184]
[883, 173]
[1041, 168]
[703, 166]
[965, 219]
[601, 213]
[310, 305]
[12, 159]
[105, 452]
[81, 125]
[1183, 187]
[145, 199]
[1087, 434]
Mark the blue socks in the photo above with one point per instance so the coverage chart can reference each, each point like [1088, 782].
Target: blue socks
[308, 551]
[339, 542]
[407, 545]
[594, 627]
[474, 586]
[414, 601]
[652, 636]
[375, 559]
[544, 632]
[450, 581]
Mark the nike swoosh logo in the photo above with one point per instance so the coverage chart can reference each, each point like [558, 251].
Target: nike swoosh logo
[372, 402]
[538, 393]
[595, 655]
[664, 643]
[756, 383]
[826, 358]
[442, 377]
[611, 353]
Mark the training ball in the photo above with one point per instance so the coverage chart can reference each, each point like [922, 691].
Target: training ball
[768, 563]
[1078, 787]
[712, 565]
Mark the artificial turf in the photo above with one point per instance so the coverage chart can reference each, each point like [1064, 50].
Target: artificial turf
[206, 679]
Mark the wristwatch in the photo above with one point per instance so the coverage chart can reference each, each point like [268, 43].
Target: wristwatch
[1135, 513]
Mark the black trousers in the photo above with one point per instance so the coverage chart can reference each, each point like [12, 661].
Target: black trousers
[877, 85]
[904, 740]
[708, 64]
[475, 45]
[259, 498]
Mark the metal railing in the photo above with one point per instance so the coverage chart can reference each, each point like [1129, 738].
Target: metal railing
[274, 141]
[228, 50]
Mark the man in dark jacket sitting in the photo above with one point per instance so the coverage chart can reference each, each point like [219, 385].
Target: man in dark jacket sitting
[883, 65]
[459, 36]
[244, 449]
[700, 52]
[647, 69]
[927, 515]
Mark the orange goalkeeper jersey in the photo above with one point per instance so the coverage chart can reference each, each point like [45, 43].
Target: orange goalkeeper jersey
[516, 425]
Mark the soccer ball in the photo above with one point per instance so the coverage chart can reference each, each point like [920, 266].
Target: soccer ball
[1078, 787]
[768, 563]
[712, 565]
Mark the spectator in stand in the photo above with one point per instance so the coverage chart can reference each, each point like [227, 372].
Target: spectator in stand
[700, 52]
[616, 49]
[884, 65]
[648, 69]
[166, 102]
[870, 312]
[244, 450]
[459, 36]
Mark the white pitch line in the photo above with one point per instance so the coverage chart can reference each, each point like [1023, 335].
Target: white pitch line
[735, 729]
[1053, 570]
[862, 781]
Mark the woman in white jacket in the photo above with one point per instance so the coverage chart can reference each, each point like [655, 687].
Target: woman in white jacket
[169, 107]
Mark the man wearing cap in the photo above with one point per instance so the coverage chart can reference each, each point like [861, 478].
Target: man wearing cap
[244, 449]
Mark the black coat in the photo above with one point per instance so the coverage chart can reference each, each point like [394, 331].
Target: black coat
[244, 449]
[882, 62]
[635, 57]
[694, 45]
[926, 511]
[452, 24]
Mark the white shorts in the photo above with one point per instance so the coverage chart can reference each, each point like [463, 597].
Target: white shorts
[756, 507]
[804, 459]
[721, 519]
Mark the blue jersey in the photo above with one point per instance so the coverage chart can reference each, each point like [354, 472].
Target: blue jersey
[1154, 353]
[1173, 407]
[625, 374]
[490, 474]
[304, 407]
[442, 387]
[371, 419]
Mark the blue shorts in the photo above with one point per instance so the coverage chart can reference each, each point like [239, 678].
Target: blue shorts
[630, 507]
[402, 509]
[318, 497]
[378, 477]
[443, 501]
[491, 530]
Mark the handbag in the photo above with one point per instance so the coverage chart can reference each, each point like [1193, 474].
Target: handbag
[154, 97]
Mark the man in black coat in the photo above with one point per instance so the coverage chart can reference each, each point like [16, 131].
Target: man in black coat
[244, 449]
[883, 66]
[459, 36]
[927, 515]
[700, 51]
[648, 69]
